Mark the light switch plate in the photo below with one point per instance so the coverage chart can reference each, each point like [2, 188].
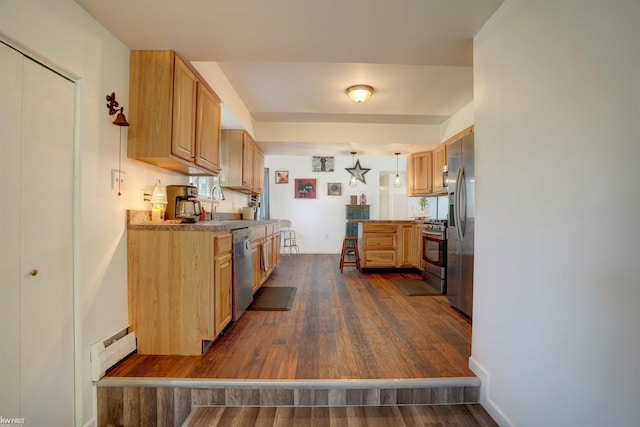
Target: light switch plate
[118, 177]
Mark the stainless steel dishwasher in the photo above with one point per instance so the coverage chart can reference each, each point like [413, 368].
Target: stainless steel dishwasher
[242, 273]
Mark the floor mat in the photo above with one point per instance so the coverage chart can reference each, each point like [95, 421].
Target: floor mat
[273, 298]
[415, 287]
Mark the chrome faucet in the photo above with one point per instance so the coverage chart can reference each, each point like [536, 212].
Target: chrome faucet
[216, 196]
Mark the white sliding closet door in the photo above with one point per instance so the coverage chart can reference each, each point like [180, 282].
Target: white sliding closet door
[37, 244]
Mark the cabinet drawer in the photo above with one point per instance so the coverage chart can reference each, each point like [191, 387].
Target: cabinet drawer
[379, 228]
[258, 232]
[269, 229]
[380, 241]
[380, 258]
[222, 243]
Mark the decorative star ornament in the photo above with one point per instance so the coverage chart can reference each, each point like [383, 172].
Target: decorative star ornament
[358, 172]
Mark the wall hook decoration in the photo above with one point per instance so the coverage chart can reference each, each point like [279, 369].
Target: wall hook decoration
[120, 121]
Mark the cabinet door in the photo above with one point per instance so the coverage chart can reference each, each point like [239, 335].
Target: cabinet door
[223, 276]
[408, 246]
[417, 243]
[439, 160]
[255, 265]
[247, 162]
[422, 173]
[184, 106]
[258, 170]
[355, 212]
[207, 144]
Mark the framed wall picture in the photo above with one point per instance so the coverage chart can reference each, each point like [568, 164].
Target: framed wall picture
[282, 177]
[305, 188]
[334, 189]
[322, 164]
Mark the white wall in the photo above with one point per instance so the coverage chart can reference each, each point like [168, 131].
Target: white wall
[556, 337]
[62, 34]
[320, 222]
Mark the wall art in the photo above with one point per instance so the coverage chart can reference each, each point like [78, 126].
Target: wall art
[282, 177]
[322, 164]
[305, 188]
[334, 189]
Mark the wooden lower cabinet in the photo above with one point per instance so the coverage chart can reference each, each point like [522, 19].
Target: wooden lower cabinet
[180, 285]
[379, 245]
[223, 278]
[389, 244]
[265, 252]
[411, 245]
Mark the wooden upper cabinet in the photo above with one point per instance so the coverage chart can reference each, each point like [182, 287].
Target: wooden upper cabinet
[242, 162]
[258, 170]
[424, 172]
[419, 174]
[207, 130]
[248, 147]
[174, 117]
[184, 111]
[439, 160]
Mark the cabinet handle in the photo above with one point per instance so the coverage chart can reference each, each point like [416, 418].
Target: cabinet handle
[33, 272]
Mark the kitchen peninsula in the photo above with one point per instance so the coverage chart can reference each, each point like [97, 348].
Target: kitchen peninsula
[389, 243]
[181, 279]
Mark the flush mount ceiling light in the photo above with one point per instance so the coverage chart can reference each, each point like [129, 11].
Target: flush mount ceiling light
[359, 93]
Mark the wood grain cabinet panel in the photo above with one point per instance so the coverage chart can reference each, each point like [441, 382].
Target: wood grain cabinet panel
[179, 289]
[390, 244]
[184, 111]
[242, 162]
[424, 172]
[419, 174]
[378, 245]
[439, 161]
[207, 144]
[174, 117]
[223, 279]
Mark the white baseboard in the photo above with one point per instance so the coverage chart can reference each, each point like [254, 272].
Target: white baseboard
[90, 423]
[485, 394]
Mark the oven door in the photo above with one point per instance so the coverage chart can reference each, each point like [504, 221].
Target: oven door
[434, 253]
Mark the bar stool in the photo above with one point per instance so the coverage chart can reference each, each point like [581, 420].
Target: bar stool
[288, 242]
[346, 247]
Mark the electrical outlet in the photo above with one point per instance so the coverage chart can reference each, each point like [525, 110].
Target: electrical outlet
[118, 179]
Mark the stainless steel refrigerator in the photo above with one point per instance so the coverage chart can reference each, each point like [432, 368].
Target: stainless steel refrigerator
[460, 230]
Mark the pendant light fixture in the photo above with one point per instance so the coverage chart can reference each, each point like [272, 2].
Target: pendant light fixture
[396, 182]
[357, 172]
[353, 182]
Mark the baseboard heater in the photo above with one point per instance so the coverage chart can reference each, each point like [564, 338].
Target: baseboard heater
[109, 351]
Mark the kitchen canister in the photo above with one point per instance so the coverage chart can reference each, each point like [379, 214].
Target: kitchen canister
[248, 212]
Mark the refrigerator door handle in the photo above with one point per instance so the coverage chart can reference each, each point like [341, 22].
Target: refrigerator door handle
[457, 204]
[462, 214]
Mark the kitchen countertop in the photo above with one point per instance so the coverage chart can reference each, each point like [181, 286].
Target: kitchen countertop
[400, 221]
[139, 220]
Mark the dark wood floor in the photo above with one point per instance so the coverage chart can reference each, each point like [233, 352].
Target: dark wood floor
[341, 326]
[380, 416]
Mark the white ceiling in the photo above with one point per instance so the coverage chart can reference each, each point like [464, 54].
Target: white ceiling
[289, 62]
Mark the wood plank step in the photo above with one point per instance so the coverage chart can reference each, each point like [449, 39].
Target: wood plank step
[172, 400]
[392, 416]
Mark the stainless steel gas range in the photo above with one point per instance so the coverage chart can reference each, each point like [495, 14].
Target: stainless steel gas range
[434, 253]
